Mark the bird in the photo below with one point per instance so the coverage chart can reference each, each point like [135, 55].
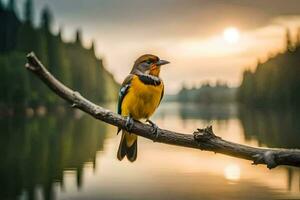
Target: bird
[140, 94]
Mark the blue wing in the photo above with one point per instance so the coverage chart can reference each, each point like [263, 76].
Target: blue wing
[122, 93]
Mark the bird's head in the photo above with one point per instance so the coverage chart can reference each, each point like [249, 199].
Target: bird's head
[148, 64]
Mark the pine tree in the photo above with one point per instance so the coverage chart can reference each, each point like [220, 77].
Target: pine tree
[59, 35]
[289, 42]
[9, 27]
[92, 49]
[46, 19]
[78, 39]
[2, 30]
[1, 6]
[298, 37]
[28, 8]
[12, 5]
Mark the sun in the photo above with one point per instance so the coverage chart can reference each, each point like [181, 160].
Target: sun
[231, 35]
[232, 172]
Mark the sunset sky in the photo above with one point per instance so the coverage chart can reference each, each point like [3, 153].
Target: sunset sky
[188, 33]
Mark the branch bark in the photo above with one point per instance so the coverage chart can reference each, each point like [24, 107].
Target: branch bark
[203, 139]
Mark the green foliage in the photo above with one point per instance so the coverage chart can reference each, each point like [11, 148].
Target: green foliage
[274, 82]
[71, 63]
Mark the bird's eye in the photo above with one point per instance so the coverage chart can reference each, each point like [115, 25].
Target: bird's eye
[149, 61]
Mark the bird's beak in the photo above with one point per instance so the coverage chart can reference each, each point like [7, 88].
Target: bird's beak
[162, 62]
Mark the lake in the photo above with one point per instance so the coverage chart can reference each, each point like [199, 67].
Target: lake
[69, 155]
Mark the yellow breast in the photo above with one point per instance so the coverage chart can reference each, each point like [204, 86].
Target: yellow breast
[141, 100]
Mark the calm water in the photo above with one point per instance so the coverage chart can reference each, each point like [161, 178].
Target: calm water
[72, 156]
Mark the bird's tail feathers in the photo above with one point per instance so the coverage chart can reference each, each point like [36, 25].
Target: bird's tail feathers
[127, 146]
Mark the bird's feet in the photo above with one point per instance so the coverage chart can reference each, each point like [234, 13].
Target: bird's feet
[154, 128]
[129, 123]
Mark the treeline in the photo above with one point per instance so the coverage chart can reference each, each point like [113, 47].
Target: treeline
[71, 63]
[207, 93]
[275, 82]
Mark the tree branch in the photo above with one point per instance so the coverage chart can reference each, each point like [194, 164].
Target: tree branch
[203, 139]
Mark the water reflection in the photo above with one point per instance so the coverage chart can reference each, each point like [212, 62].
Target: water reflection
[232, 172]
[72, 156]
[272, 128]
[35, 151]
[208, 112]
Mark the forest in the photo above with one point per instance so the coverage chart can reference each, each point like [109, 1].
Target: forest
[208, 93]
[72, 63]
[274, 82]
